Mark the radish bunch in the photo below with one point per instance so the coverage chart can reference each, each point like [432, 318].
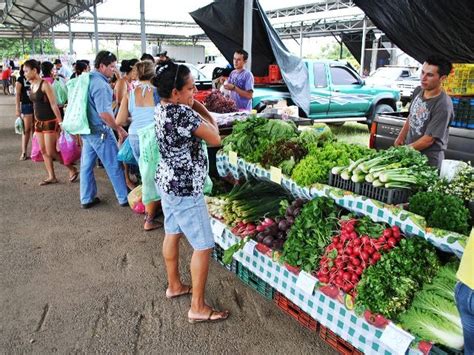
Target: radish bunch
[350, 253]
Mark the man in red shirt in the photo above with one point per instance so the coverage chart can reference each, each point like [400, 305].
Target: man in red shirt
[6, 74]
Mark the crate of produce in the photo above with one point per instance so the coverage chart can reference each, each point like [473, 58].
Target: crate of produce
[296, 312]
[252, 280]
[442, 350]
[390, 196]
[336, 342]
[461, 80]
[218, 254]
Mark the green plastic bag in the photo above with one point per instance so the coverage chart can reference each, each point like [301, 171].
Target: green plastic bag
[75, 118]
[60, 91]
[148, 163]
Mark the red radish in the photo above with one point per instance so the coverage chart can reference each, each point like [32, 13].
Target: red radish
[387, 233]
[349, 251]
[365, 239]
[355, 278]
[376, 256]
[260, 228]
[353, 235]
[364, 256]
[369, 250]
[355, 260]
[356, 242]
[359, 270]
[392, 242]
[396, 231]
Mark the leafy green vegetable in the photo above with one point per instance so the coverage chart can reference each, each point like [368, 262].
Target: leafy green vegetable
[441, 211]
[283, 154]
[365, 226]
[310, 234]
[388, 287]
[317, 135]
[462, 185]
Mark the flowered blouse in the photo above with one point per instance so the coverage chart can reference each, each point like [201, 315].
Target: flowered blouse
[183, 166]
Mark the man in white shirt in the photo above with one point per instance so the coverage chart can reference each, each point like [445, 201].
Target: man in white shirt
[63, 72]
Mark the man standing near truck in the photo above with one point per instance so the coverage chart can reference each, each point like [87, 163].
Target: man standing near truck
[240, 82]
[426, 128]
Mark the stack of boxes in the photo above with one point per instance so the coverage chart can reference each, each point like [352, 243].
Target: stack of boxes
[460, 86]
[463, 112]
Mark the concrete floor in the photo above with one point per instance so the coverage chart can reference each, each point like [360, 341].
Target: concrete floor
[91, 281]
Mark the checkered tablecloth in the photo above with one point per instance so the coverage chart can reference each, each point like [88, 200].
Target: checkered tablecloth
[409, 223]
[323, 309]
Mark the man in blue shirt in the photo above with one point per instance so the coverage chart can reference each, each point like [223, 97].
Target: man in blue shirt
[101, 143]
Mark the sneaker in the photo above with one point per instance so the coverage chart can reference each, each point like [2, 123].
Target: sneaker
[125, 204]
[94, 202]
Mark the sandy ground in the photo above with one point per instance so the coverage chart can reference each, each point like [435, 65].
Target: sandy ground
[91, 281]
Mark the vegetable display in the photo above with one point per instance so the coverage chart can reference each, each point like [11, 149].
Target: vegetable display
[315, 167]
[441, 211]
[310, 234]
[398, 167]
[215, 206]
[284, 154]
[388, 286]
[433, 314]
[216, 102]
[461, 186]
[359, 244]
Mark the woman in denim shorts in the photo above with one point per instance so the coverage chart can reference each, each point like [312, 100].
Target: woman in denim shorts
[24, 109]
[181, 124]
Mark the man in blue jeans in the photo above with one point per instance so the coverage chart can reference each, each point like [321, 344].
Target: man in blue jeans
[101, 142]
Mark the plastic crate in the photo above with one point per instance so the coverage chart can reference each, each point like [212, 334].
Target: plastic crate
[295, 312]
[252, 280]
[336, 342]
[390, 196]
[218, 254]
[441, 350]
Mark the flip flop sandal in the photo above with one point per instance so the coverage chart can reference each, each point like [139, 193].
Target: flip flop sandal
[209, 319]
[48, 182]
[189, 291]
[23, 157]
[156, 225]
[74, 176]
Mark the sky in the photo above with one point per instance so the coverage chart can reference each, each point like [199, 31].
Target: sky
[177, 10]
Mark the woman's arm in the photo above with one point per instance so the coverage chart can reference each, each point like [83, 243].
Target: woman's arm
[18, 87]
[48, 90]
[120, 91]
[205, 115]
[123, 114]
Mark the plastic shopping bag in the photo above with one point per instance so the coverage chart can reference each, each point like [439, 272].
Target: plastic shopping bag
[69, 148]
[19, 127]
[36, 154]
[148, 162]
[125, 154]
[60, 91]
[75, 118]
[135, 200]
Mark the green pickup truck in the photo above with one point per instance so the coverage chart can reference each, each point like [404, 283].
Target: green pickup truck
[338, 94]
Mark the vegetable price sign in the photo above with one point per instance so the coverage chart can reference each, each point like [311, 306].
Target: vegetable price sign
[218, 228]
[249, 247]
[275, 175]
[396, 339]
[232, 158]
[306, 282]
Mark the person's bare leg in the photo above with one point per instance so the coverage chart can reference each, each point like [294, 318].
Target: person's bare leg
[199, 270]
[45, 141]
[171, 256]
[25, 138]
[130, 184]
[150, 213]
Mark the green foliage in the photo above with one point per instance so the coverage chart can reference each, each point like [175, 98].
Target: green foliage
[461, 186]
[310, 234]
[388, 287]
[441, 211]
[13, 48]
[284, 154]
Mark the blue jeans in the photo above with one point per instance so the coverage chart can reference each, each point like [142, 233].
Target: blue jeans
[106, 150]
[465, 304]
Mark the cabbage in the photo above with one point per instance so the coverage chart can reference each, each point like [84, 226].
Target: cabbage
[429, 302]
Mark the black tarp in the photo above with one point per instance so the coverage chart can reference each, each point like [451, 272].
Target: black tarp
[424, 27]
[223, 20]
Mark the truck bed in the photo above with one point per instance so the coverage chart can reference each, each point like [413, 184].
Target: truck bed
[387, 126]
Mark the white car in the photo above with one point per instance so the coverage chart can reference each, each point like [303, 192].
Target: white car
[401, 78]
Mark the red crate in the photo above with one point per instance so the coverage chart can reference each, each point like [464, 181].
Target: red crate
[201, 95]
[274, 73]
[336, 342]
[260, 79]
[296, 312]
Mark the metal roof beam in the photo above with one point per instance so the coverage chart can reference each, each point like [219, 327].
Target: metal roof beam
[51, 13]
[39, 24]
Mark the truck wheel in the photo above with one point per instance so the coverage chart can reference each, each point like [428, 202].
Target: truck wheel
[380, 108]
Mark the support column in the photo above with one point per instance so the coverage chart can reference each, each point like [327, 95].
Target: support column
[340, 48]
[117, 41]
[301, 40]
[53, 39]
[96, 27]
[373, 59]
[142, 25]
[362, 50]
[248, 16]
[71, 49]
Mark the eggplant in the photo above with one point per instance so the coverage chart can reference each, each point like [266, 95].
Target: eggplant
[268, 241]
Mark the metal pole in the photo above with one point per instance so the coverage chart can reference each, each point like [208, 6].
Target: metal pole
[52, 35]
[96, 28]
[248, 16]
[301, 40]
[71, 50]
[340, 49]
[142, 25]
[362, 50]
[373, 59]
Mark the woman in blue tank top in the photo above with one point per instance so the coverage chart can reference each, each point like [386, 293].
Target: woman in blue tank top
[137, 109]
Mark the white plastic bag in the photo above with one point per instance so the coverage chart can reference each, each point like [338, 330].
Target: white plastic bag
[19, 126]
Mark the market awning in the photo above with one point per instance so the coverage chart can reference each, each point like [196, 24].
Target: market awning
[222, 21]
[424, 27]
[24, 17]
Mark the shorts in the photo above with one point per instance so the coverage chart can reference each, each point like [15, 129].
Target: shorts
[49, 126]
[27, 109]
[188, 215]
[6, 83]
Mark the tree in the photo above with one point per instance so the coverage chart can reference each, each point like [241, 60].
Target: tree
[332, 51]
[14, 48]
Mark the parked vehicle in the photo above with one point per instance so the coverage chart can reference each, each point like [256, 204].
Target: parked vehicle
[386, 128]
[338, 94]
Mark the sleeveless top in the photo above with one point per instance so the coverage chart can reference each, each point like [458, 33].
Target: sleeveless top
[141, 116]
[41, 105]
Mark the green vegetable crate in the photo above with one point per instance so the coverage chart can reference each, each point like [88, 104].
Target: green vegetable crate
[252, 280]
[389, 196]
[218, 254]
[438, 350]
[295, 312]
[336, 342]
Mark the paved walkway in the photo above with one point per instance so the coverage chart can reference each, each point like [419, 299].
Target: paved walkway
[90, 281]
